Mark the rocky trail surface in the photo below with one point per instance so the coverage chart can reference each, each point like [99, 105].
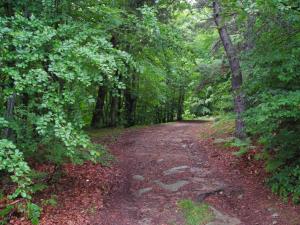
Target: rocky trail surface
[163, 164]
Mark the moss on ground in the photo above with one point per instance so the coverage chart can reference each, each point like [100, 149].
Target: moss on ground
[195, 213]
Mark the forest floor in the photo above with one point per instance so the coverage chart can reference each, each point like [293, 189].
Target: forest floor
[158, 167]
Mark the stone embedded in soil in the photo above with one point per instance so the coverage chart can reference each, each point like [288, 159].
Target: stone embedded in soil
[172, 187]
[240, 196]
[223, 219]
[196, 170]
[175, 170]
[205, 194]
[138, 177]
[142, 191]
[207, 184]
[145, 221]
[201, 173]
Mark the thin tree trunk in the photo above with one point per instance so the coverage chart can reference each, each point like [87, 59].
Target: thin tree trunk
[98, 113]
[165, 114]
[8, 8]
[131, 101]
[113, 110]
[237, 78]
[180, 104]
[120, 106]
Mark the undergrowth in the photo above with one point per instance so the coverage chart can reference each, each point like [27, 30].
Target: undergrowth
[224, 125]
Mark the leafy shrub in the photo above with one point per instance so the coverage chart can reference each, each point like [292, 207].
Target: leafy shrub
[272, 86]
[51, 201]
[243, 145]
[277, 123]
[222, 97]
[12, 161]
[286, 182]
[200, 105]
[188, 115]
[276, 120]
[55, 68]
[33, 212]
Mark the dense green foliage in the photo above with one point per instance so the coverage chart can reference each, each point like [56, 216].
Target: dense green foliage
[274, 97]
[266, 36]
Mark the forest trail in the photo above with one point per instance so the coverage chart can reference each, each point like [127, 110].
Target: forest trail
[163, 164]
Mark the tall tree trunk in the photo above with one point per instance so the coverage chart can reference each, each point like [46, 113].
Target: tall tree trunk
[180, 104]
[130, 99]
[237, 78]
[98, 113]
[165, 113]
[120, 106]
[130, 103]
[8, 8]
[113, 110]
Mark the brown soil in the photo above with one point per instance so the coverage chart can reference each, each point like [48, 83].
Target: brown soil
[97, 195]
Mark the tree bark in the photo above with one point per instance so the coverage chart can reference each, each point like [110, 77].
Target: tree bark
[130, 100]
[120, 105]
[130, 103]
[237, 78]
[113, 110]
[98, 113]
[8, 8]
[180, 104]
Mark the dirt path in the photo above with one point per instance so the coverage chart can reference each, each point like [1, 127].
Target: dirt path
[165, 163]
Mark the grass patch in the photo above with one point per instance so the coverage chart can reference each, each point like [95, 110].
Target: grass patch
[224, 125]
[195, 213]
[111, 132]
[105, 132]
[219, 127]
[206, 118]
